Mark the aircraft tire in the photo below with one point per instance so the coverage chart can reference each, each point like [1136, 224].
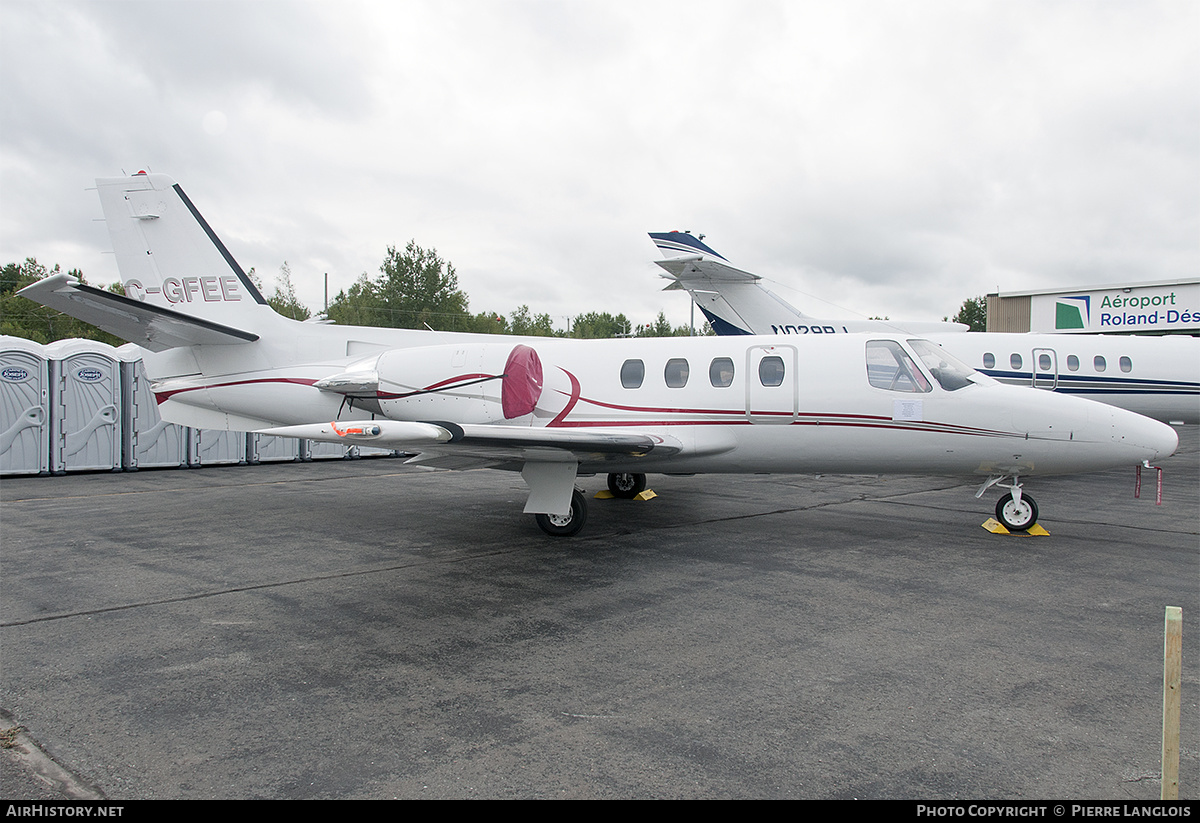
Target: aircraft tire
[567, 525]
[1016, 517]
[626, 485]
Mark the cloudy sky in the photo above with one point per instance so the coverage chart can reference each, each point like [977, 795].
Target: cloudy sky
[867, 157]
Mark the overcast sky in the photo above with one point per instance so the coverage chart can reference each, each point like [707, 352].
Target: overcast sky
[867, 158]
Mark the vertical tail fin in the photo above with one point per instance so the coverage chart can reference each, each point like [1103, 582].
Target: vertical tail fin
[733, 300]
[676, 243]
[169, 257]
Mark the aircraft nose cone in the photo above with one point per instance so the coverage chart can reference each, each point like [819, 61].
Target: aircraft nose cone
[1164, 440]
[1157, 440]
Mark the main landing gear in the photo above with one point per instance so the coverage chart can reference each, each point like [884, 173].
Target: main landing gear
[624, 485]
[1015, 511]
[565, 525]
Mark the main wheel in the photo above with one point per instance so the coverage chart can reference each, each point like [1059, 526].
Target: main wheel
[1014, 516]
[565, 525]
[626, 485]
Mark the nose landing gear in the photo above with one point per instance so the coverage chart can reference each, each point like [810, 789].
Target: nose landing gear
[1015, 511]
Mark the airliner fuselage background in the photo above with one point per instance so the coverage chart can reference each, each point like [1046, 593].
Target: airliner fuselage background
[553, 408]
[1158, 376]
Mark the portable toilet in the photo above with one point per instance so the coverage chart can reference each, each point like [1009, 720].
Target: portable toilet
[24, 407]
[269, 448]
[214, 447]
[85, 406]
[320, 450]
[149, 441]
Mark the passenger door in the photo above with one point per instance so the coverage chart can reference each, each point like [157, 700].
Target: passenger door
[772, 385]
[1044, 369]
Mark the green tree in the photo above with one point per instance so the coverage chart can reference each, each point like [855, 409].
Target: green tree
[488, 322]
[973, 313]
[523, 323]
[415, 289]
[595, 325]
[284, 300]
[661, 327]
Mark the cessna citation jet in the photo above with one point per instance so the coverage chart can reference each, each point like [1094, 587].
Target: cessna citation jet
[1155, 376]
[553, 409]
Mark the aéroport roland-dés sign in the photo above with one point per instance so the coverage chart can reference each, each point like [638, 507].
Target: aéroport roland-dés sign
[1117, 310]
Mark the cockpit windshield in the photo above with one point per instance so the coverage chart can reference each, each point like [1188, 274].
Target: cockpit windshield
[951, 373]
[890, 367]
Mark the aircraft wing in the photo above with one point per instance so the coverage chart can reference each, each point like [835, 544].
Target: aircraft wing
[150, 327]
[460, 446]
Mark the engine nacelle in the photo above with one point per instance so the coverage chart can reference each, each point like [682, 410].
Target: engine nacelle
[469, 383]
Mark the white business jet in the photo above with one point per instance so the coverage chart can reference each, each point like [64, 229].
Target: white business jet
[1155, 376]
[553, 409]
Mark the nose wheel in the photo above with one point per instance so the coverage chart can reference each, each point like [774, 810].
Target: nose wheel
[1016, 513]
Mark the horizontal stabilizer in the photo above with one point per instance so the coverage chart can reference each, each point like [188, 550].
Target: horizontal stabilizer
[149, 326]
[700, 270]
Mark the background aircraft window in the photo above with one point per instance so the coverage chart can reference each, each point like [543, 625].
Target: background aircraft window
[989, 360]
[676, 372]
[770, 370]
[1072, 362]
[1126, 364]
[951, 373]
[632, 373]
[720, 372]
[890, 367]
[1044, 362]
[1014, 360]
[1100, 363]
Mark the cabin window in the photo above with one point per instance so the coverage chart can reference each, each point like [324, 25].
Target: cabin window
[770, 370]
[720, 372]
[1126, 364]
[951, 373]
[1044, 362]
[632, 373]
[989, 360]
[1015, 360]
[890, 367]
[1100, 363]
[676, 373]
[1072, 362]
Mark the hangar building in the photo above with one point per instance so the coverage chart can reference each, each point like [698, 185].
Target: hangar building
[1165, 307]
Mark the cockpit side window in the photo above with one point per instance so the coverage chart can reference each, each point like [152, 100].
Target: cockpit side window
[951, 373]
[889, 367]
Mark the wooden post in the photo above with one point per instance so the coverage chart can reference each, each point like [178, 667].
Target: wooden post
[1172, 675]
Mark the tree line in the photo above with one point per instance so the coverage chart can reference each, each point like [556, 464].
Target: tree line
[415, 289]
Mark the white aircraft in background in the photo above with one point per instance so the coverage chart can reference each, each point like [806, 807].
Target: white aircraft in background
[1155, 376]
[723, 293]
[553, 409]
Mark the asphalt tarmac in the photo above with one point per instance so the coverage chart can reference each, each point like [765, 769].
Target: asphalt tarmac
[367, 629]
